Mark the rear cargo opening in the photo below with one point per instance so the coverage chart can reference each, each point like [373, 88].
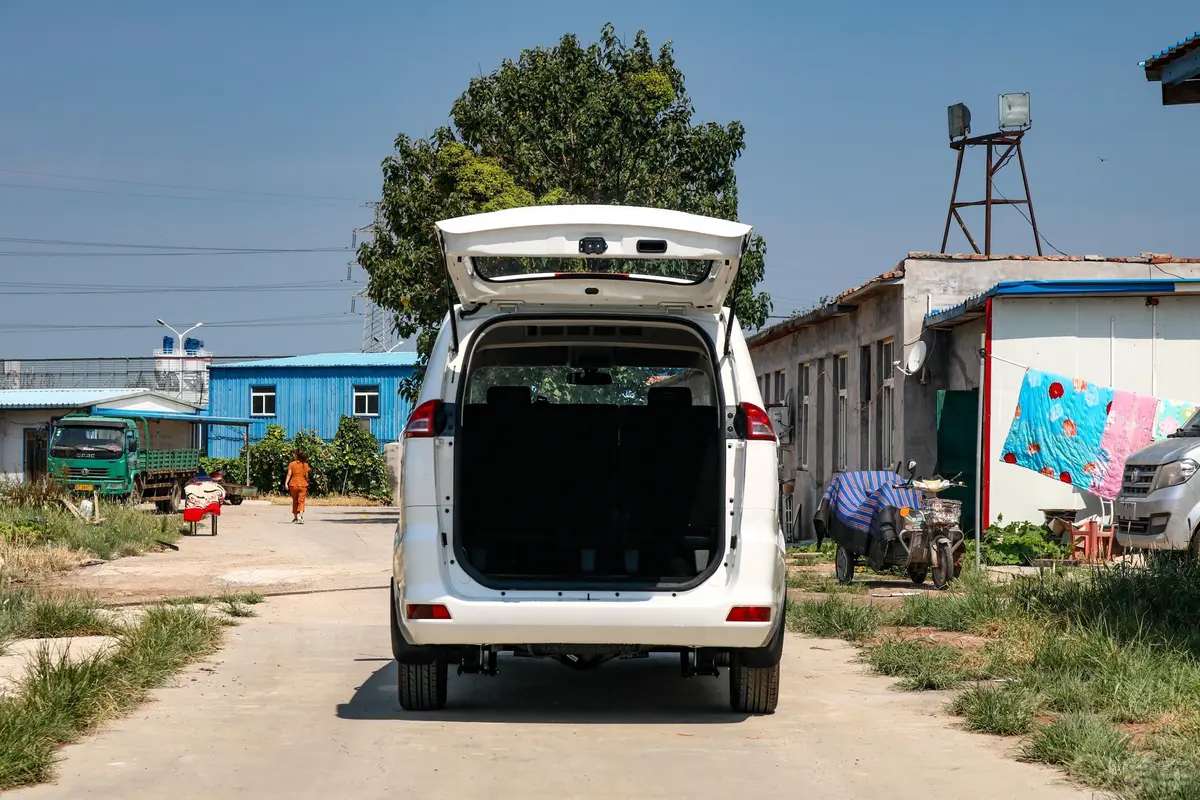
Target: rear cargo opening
[590, 455]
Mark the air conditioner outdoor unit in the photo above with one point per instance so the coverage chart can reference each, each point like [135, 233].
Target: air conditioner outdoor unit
[781, 421]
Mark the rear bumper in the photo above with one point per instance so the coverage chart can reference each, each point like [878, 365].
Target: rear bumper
[637, 621]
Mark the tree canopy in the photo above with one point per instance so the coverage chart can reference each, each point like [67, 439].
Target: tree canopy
[607, 123]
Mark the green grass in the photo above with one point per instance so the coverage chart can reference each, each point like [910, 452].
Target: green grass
[58, 701]
[26, 615]
[834, 617]
[822, 583]
[1089, 748]
[247, 598]
[1001, 710]
[124, 532]
[920, 666]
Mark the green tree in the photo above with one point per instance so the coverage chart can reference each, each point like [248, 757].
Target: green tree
[607, 123]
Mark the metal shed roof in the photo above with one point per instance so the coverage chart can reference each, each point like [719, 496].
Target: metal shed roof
[64, 398]
[401, 359]
[974, 306]
[1154, 64]
[203, 419]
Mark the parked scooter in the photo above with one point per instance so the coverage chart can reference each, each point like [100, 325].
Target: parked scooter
[888, 522]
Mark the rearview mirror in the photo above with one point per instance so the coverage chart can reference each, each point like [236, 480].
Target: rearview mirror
[590, 377]
[912, 468]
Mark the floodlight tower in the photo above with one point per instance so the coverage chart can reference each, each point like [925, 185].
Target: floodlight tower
[1014, 122]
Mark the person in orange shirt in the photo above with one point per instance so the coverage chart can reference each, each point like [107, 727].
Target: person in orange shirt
[296, 483]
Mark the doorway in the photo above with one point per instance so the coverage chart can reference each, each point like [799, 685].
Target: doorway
[35, 453]
[958, 447]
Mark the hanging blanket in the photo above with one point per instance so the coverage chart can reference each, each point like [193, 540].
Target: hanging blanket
[1171, 416]
[1129, 428]
[1058, 426]
[856, 497]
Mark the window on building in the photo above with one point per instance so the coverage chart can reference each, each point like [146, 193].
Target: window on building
[841, 413]
[780, 387]
[865, 396]
[262, 401]
[366, 401]
[884, 421]
[802, 392]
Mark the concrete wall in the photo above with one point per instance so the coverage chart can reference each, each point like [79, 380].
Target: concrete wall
[1113, 341]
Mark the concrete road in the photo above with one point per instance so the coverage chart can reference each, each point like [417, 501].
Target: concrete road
[301, 703]
[257, 547]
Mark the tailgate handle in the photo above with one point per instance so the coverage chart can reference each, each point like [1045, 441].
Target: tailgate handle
[652, 245]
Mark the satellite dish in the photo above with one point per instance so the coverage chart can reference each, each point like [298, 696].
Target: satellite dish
[916, 358]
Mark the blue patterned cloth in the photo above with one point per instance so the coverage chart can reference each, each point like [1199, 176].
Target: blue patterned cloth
[857, 497]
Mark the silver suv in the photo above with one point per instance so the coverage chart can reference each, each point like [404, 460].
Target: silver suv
[1159, 504]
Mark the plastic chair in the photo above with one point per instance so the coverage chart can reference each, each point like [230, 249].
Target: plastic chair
[193, 516]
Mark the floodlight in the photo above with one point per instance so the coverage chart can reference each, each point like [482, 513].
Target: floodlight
[958, 119]
[1014, 110]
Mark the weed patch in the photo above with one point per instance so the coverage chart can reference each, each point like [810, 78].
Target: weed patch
[59, 700]
[920, 666]
[834, 617]
[1001, 710]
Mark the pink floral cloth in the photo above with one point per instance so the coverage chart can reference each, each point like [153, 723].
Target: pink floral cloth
[1129, 428]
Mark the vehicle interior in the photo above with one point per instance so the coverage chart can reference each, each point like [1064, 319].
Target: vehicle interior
[589, 454]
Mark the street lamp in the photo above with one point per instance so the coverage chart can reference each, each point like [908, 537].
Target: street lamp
[179, 336]
[377, 340]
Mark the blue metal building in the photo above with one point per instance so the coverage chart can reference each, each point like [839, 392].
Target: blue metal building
[308, 393]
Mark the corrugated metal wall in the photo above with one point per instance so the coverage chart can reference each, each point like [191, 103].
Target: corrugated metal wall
[310, 399]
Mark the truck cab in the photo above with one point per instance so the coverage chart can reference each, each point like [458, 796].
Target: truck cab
[1158, 507]
[130, 458]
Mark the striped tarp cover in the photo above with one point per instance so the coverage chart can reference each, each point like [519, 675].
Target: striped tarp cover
[856, 497]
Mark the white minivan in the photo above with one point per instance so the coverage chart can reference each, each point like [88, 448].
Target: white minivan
[589, 473]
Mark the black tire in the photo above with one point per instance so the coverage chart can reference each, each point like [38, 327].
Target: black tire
[753, 690]
[235, 500]
[422, 687]
[134, 498]
[918, 574]
[173, 503]
[843, 566]
[943, 572]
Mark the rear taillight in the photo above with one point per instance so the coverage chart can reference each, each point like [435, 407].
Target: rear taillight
[426, 420]
[426, 611]
[749, 614]
[754, 424]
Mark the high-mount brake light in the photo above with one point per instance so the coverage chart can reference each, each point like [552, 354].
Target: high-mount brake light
[425, 422]
[756, 424]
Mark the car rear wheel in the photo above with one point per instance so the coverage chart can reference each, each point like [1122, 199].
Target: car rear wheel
[422, 687]
[174, 502]
[753, 690]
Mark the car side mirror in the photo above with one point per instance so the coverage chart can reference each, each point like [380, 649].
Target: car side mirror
[912, 468]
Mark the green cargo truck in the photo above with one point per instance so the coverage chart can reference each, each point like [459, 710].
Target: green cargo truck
[121, 457]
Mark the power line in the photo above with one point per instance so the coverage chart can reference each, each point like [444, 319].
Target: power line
[30, 291]
[174, 254]
[154, 195]
[73, 243]
[311, 321]
[183, 187]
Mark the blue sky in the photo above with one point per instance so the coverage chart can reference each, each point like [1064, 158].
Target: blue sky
[847, 166]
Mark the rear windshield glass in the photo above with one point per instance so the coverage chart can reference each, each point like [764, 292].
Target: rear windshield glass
[621, 386]
[673, 269]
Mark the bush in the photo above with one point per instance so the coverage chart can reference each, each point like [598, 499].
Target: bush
[351, 463]
[922, 667]
[1017, 543]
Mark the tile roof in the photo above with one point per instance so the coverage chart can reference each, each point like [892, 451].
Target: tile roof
[398, 359]
[63, 398]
